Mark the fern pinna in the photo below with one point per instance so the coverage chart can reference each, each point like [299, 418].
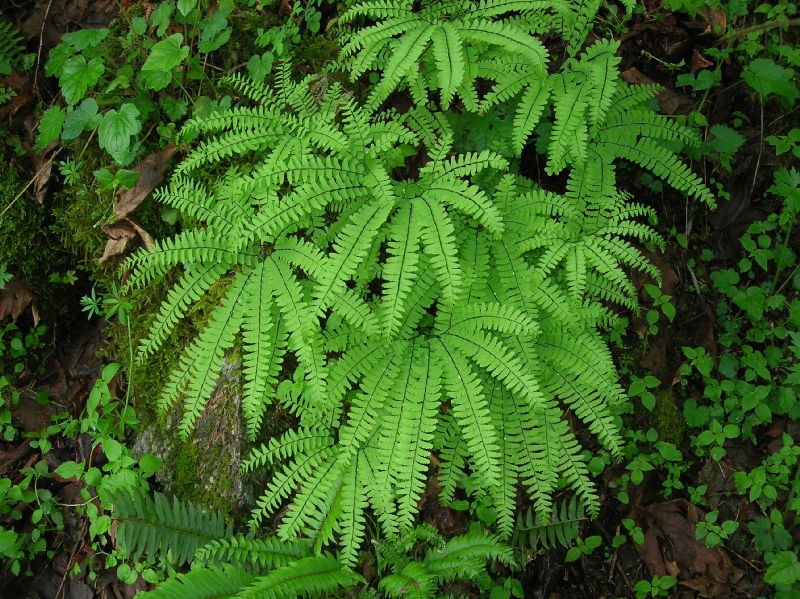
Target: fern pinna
[430, 302]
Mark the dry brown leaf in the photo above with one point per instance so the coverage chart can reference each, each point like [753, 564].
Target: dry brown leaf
[15, 299]
[21, 85]
[43, 169]
[699, 62]
[151, 172]
[715, 19]
[668, 101]
[285, 7]
[670, 546]
[122, 236]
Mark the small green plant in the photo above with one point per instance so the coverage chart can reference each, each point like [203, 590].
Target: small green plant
[662, 304]
[712, 533]
[658, 586]
[583, 547]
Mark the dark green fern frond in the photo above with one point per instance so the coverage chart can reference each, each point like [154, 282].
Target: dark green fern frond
[561, 529]
[157, 526]
[203, 583]
[252, 555]
[11, 48]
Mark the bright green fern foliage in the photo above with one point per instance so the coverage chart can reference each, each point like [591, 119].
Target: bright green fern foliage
[430, 303]
[12, 56]
[560, 530]
[449, 46]
[409, 572]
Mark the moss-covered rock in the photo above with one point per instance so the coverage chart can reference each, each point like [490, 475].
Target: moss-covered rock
[206, 467]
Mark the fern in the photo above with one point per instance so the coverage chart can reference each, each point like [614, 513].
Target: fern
[11, 48]
[432, 306]
[462, 557]
[159, 526]
[560, 529]
[439, 35]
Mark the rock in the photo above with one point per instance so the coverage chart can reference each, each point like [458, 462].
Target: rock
[205, 467]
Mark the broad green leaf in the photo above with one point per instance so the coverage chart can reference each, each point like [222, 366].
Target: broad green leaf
[85, 38]
[726, 140]
[766, 77]
[138, 25]
[186, 6]
[783, 569]
[69, 470]
[258, 67]
[150, 463]
[50, 126]
[160, 17]
[112, 449]
[8, 543]
[164, 56]
[78, 77]
[83, 118]
[116, 131]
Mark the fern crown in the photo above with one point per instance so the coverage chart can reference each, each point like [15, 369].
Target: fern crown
[434, 302]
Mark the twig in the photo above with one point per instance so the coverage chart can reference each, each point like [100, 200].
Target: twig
[31, 182]
[60, 591]
[39, 51]
[760, 149]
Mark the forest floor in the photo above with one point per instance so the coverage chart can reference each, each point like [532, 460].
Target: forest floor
[653, 50]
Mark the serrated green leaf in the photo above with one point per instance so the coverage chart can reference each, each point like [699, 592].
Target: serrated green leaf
[164, 56]
[116, 131]
[50, 126]
[78, 76]
[766, 77]
[83, 118]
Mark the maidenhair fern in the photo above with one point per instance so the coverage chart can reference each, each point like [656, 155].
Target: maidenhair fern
[429, 303]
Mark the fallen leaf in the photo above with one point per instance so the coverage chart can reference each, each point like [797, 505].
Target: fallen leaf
[151, 172]
[43, 169]
[285, 7]
[699, 62]
[122, 236]
[15, 299]
[715, 19]
[10, 457]
[668, 101]
[23, 89]
[670, 547]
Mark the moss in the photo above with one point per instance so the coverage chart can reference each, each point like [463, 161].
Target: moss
[27, 243]
[667, 418]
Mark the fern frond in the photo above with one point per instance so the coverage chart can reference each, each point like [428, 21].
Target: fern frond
[213, 582]
[561, 529]
[289, 444]
[663, 164]
[315, 575]
[185, 292]
[471, 409]
[439, 243]
[529, 111]
[252, 555]
[156, 526]
[207, 353]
